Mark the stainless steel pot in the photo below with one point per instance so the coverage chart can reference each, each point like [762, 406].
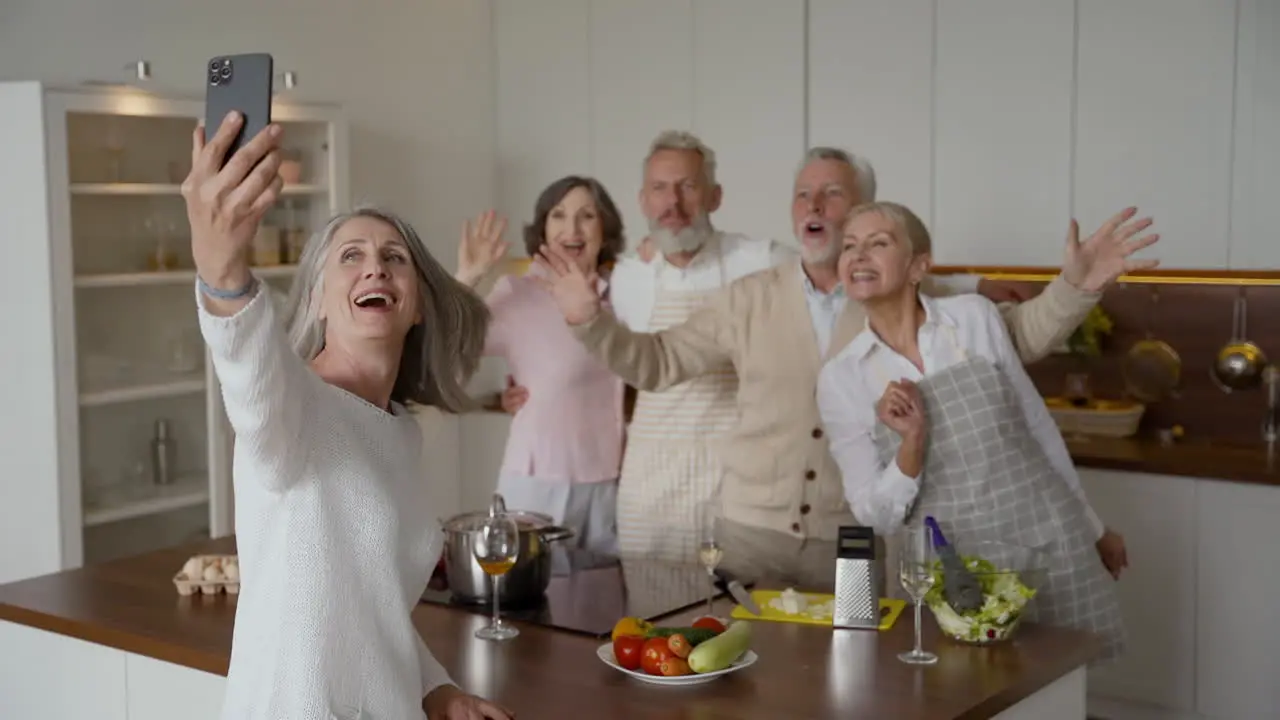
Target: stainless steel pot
[525, 582]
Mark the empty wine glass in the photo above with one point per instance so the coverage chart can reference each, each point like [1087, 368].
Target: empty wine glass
[709, 551]
[915, 572]
[496, 545]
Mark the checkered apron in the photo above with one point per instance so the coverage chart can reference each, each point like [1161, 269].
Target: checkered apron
[986, 478]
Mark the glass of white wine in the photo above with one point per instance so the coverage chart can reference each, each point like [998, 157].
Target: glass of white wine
[496, 545]
[709, 551]
[915, 572]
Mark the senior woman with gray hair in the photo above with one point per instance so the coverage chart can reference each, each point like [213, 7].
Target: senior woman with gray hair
[930, 412]
[332, 517]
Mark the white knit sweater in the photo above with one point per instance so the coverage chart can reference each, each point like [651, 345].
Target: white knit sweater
[334, 532]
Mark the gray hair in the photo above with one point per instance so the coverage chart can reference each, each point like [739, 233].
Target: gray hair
[440, 353]
[864, 175]
[681, 140]
[909, 227]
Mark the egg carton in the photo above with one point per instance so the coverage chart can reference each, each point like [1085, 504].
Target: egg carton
[209, 575]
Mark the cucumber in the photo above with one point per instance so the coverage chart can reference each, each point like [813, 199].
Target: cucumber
[722, 650]
[695, 636]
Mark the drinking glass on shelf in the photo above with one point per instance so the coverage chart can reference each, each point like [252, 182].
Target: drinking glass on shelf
[915, 572]
[496, 546]
[709, 551]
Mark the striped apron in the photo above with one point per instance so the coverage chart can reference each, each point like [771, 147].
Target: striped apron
[986, 477]
[670, 466]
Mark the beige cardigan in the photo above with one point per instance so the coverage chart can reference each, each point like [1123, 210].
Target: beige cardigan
[779, 473]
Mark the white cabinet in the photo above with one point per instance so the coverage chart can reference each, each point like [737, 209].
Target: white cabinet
[1238, 568]
[871, 91]
[1157, 516]
[39, 669]
[749, 104]
[1154, 121]
[1255, 214]
[1003, 92]
[543, 79]
[44, 676]
[107, 349]
[642, 76]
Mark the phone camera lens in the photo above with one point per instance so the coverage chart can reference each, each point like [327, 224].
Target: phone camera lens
[226, 72]
[214, 79]
[214, 65]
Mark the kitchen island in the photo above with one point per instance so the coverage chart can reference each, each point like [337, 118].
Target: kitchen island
[116, 641]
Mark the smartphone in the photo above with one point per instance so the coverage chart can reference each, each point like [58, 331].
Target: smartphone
[242, 83]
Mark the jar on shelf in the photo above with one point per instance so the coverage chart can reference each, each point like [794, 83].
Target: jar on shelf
[266, 246]
[295, 235]
[291, 166]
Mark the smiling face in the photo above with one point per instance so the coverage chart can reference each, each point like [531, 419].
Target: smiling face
[825, 191]
[370, 285]
[878, 259]
[677, 199]
[574, 226]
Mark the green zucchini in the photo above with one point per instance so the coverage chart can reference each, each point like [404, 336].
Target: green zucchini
[723, 650]
[695, 636]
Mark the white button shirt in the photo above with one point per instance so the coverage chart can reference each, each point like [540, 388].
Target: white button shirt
[825, 308]
[850, 385]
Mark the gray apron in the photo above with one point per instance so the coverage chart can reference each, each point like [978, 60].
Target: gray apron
[986, 478]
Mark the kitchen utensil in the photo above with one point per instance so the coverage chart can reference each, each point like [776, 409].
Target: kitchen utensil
[819, 609]
[960, 586]
[859, 579]
[605, 653]
[1152, 368]
[1013, 573]
[1271, 423]
[1239, 364]
[526, 581]
[727, 583]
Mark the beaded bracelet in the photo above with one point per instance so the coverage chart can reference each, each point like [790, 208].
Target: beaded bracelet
[226, 294]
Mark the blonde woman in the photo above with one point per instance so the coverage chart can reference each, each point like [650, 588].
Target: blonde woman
[333, 521]
[930, 412]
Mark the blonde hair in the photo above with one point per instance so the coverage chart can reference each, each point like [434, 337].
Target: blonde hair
[906, 223]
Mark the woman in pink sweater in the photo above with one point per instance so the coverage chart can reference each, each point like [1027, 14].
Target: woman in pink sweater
[565, 448]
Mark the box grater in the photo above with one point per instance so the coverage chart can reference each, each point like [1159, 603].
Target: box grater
[858, 579]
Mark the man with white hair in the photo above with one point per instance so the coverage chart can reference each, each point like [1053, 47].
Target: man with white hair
[781, 494]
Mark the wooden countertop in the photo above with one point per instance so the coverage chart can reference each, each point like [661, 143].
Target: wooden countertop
[1199, 459]
[803, 671]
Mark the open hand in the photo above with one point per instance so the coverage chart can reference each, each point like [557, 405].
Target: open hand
[1095, 264]
[1113, 552]
[647, 249]
[481, 246]
[447, 702]
[514, 397]
[573, 290]
[901, 408]
[225, 204]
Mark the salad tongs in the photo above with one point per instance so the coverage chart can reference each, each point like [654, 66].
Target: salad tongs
[959, 586]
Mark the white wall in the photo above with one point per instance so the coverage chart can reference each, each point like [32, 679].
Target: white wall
[416, 79]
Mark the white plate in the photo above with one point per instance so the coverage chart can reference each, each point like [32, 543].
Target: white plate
[605, 653]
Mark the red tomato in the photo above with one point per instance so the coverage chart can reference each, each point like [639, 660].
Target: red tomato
[656, 651]
[709, 623]
[627, 650]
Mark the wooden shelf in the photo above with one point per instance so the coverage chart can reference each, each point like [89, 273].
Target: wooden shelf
[168, 277]
[173, 388]
[145, 189]
[148, 500]
[1268, 278]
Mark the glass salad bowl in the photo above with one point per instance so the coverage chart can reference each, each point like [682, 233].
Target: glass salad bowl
[1010, 576]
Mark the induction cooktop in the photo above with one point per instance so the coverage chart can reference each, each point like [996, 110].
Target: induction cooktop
[589, 592]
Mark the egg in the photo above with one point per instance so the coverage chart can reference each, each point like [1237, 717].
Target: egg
[212, 574]
[194, 569]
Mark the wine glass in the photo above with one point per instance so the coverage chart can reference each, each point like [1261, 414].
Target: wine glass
[709, 551]
[496, 545]
[915, 571]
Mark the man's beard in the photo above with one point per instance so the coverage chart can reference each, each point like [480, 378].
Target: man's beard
[686, 240]
[824, 255]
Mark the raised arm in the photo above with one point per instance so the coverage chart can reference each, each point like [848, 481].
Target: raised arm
[1046, 321]
[647, 361]
[265, 386]
[879, 494]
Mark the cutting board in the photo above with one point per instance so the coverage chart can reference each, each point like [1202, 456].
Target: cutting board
[890, 609]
